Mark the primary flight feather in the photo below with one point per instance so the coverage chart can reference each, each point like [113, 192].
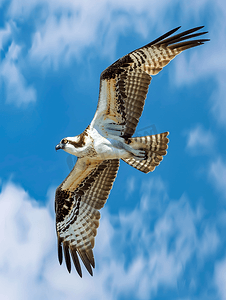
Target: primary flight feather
[123, 90]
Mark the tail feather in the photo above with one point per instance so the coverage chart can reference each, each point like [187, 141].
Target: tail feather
[155, 148]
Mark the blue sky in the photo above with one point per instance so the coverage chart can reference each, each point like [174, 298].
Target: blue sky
[161, 235]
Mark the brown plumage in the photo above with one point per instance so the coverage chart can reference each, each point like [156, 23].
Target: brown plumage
[123, 90]
[78, 210]
[155, 148]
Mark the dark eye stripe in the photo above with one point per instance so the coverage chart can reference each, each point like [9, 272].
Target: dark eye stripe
[64, 141]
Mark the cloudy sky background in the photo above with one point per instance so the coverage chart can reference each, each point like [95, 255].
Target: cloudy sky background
[162, 235]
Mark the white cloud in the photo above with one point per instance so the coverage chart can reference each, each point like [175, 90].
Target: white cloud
[131, 185]
[217, 175]
[1, 2]
[28, 261]
[208, 61]
[64, 30]
[26, 241]
[80, 25]
[57, 40]
[17, 91]
[200, 141]
[67, 28]
[163, 252]
[219, 99]
[4, 35]
[220, 278]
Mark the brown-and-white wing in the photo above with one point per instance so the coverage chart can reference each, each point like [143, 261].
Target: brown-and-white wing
[124, 85]
[78, 201]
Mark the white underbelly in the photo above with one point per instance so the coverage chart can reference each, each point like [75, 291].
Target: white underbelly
[109, 148]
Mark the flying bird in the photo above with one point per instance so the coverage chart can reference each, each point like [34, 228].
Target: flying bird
[108, 138]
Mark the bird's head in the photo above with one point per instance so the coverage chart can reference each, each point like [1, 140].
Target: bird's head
[71, 145]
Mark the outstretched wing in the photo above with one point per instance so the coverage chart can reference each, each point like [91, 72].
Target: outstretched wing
[124, 85]
[78, 201]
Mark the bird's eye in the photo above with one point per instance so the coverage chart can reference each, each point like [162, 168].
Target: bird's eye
[64, 141]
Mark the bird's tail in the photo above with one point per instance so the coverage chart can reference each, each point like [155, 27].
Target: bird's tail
[155, 148]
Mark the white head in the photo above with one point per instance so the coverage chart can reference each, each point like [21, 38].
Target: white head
[73, 145]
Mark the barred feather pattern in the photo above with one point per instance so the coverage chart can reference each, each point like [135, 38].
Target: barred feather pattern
[132, 85]
[155, 147]
[132, 92]
[123, 90]
[124, 84]
[77, 214]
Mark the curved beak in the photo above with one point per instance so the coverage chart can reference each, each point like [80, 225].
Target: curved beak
[59, 146]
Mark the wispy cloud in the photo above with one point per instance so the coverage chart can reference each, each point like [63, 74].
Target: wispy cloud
[65, 30]
[27, 240]
[131, 185]
[16, 89]
[217, 175]
[220, 278]
[4, 35]
[80, 25]
[28, 259]
[200, 141]
[208, 62]
[219, 100]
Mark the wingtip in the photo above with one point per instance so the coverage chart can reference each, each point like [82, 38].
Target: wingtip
[68, 265]
[85, 260]
[67, 256]
[199, 27]
[196, 28]
[204, 32]
[75, 259]
[90, 271]
[174, 30]
[80, 274]
[60, 254]
[164, 36]
[205, 40]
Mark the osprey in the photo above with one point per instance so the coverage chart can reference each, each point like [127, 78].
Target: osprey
[123, 90]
